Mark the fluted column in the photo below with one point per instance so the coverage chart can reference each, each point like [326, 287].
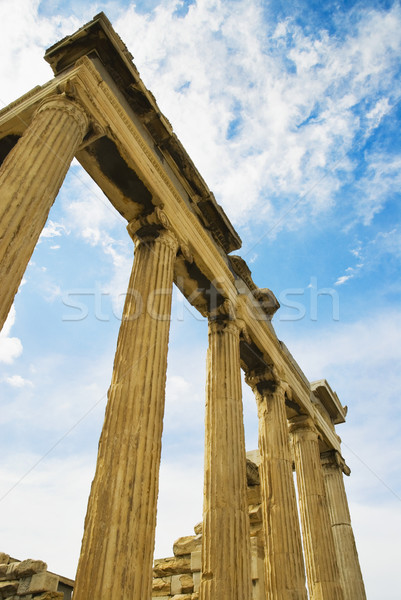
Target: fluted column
[117, 549]
[344, 541]
[320, 556]
[284, 563]
[226, 566]
[30, 178]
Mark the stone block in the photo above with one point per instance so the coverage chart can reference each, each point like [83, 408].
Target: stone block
[30, 567]
[253, 494]
[4, 558]
[43, 582]
[196, 561]
[196, 579]
[11, 570]
[187, 584]
[254, 559]
[187, 544]
[161, 586]
[8, 588]
[171, 566]
[162, 597]
[175, 585]
[198, 528]
[23, 587]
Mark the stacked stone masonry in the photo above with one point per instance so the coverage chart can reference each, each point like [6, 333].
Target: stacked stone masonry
[30, 580]
[178, 577]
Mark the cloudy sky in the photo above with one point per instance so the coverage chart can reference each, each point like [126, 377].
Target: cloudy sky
[291, 112]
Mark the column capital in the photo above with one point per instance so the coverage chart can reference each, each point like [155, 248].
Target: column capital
[333, 460]
[223, 312]
[303, 426]
[61, 102]
[152, 227]
[264, 380]
[224, 318]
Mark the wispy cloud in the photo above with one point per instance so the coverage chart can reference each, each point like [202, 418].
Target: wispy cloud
[273, 115]
[384, 247]
[17, 381]
[300, 103]
[10, 347]
[53, 229]
[341, 280]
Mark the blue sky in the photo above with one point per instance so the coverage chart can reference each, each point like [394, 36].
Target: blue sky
[291, 111]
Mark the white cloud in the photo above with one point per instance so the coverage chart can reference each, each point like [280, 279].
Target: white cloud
[18, 381]
[180, 502]
[122, 259]
[377, 251]
[375, 115]
[381, 180]
[10, 347]
[53, 229]
[35, 526]
[294, 128]
[370, 342]
[24, 35]
[299, 101]
[90, 212]
[177, 386]
[296, 124]
[378, 534]
[387, 243]
[51, 291]
[341, 280]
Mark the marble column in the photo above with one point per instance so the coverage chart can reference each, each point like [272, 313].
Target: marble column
[284, 563]
[30, 178]
[226, 564]
[320, 555]
[347, 556]
[117, 549]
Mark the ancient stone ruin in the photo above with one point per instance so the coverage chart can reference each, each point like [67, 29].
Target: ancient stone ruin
[249, 545]
[30, 580]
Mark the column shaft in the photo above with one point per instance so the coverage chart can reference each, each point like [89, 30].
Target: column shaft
[344, 541]
[226, 568]
[30, 178]
[284, 563]
[117, 549]
[321, 563]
